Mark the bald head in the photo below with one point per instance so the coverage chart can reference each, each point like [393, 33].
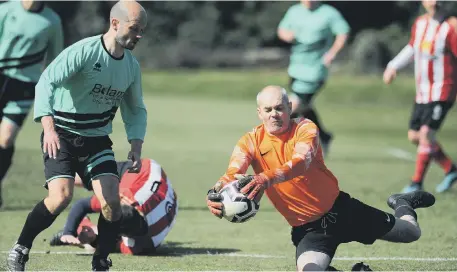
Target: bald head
[272, 92]
[128, 11]
[274, 109]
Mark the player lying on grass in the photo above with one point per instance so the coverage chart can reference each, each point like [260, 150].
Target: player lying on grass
[149, 207]
[286, 157]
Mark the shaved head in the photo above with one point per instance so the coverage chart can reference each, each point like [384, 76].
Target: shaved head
[128, 11]
[128, 20]
[274, 109]
[272, 92]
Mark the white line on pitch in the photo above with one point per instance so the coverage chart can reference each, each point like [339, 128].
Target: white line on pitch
[400, 154]
[264, 256]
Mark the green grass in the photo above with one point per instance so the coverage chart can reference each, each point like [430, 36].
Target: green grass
[195, 118]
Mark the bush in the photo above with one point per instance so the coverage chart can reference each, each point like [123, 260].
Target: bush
[369, 52]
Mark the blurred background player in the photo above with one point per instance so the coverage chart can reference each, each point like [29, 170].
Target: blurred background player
[317, 32]
[147, 197]
[287, 160]
[433, 47]
[31, 37]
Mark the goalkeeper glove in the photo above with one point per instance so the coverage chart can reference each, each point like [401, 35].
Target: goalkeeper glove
[214, 202]
[251, 186]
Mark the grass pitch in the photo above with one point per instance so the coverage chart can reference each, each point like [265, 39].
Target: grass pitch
[195, 119]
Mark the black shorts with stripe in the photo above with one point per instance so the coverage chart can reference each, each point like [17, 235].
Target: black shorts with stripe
[16, 99]
[90, 157]
[431, 115]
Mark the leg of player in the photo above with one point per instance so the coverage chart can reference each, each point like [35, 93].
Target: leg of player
[424, 156]
[406, 228]
[313, 261]
[8, 134]
[413, 136]
[60, 193]
[106, 189]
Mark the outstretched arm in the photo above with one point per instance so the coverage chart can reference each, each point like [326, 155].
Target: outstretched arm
[304, 153]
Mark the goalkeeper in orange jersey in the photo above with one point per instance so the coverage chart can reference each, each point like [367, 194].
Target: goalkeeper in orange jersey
[287, 160]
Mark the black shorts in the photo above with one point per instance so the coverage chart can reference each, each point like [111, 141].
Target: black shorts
[313, 89]
[431, 114]
[90, 157]
[16, 99]
[349, 220]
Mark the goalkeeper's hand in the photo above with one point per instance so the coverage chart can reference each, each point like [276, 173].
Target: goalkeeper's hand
[251, 186]
[214, 201]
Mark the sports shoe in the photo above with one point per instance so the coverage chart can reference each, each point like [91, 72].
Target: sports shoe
[17, 257]
[447, 182]
[361, 267]
[55, 239]
[101, 264]
[416, 199]
[412, 188]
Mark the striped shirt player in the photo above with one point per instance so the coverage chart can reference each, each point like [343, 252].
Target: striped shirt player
[286, 158]
[82, 89]
[30, 38]
[150, 192]
[433, 49]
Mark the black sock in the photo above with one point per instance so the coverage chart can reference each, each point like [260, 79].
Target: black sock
[6, 157]
[38, 220]
[453, 169]
[403, 208]
[107, 236]
[312, 115]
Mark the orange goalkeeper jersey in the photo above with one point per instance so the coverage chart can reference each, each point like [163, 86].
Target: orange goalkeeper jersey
[303, 188]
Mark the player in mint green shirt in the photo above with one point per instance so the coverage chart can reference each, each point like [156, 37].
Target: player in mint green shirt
[316, 32]
[30, 37]
[77, 97]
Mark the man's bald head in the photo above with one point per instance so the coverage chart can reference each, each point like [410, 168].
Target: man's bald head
[128, 11]
[128, 20]
[274, 109]
[272, 92]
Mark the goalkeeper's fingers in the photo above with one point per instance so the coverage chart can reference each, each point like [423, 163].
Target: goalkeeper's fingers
[216, 212]
[244, 181]
[254, 192]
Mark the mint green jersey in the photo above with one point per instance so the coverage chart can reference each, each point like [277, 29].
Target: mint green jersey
[83, 87]
[28, 40]
[314, 32]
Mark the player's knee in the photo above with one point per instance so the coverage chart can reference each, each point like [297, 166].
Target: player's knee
[426, 135]
[6, 140]
[8, 132]
[60, 201]
[413, 137]
[412, 234]
[313, 261]
[312, 267]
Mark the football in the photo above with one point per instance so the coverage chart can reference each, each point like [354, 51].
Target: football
[237, 208]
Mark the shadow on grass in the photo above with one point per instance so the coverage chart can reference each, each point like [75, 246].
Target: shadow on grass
[178, 249]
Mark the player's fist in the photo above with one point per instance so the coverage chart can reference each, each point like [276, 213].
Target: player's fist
[214, 202]
[389, 75]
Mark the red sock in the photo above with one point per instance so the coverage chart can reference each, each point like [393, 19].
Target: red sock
[422, 162]
[442, 158]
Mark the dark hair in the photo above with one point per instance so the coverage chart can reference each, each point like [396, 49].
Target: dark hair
[132, 224]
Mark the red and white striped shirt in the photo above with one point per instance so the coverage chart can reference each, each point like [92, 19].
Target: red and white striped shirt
[153, 192]
[434, 48]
